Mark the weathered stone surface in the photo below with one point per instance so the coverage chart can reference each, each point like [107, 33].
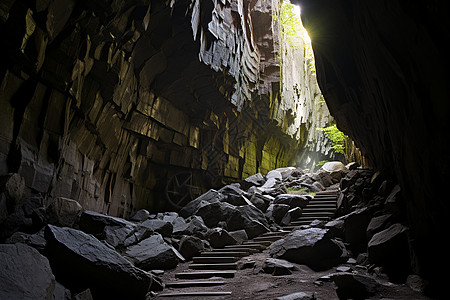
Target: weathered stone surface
[80, 260]
[190, 246]
[140, 216]
[239, 235]
[355, 225]
[293, 200]
[297, 296]
[277, 267]
[63, 212]
[219, 238]
[249, 218]
[164, 228]
[390, 249]
[253, 180]
[312, 247]
[13, 186]
[353, 286]
[24, 273]
[94, 223]
[276, 212]
[291, 215]
[192, 207]
[153, 253]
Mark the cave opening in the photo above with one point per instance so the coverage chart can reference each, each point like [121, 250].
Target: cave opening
[146, 135]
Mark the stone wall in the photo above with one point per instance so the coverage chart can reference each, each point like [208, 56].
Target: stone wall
[383, 69]
[105, 101]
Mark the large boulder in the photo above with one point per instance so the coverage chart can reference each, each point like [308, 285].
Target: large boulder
[219, 238]
[312, 247]
[63, 211]
[277, 267]
[249, 218]
[190, 246]
[276, 212]
[253, 180]
[192, 207]
[355, 227]
[293, 200]
[24, 273]
[213, 213]
[94, 223]
[164, 228]
[153, 253]
[390, 249]
[354, 286]
[81, 261]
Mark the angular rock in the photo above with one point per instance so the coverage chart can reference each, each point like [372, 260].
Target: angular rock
[213, 213]
[162, 227]
[377, 224]
[354, 286]
[253, 180]
[79, 261]
[94, 223]
[153, 253]
[249, 218]
[140, 216]
[312, 247]
[63, 211]
[335, 228]
[291, 215]
[192, 207]
[390, 249]
[293, 200]
[297, 296]
[219, 238]
[261, 202]
[239, 235]
[190, 226]
[24, 273]
[334, 166]
[276, 174]
[61, 293]
[190, 246]
[277, 267]
[276, 212]
[355, 226]
[117, 235]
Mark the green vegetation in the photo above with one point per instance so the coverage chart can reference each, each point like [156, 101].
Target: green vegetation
[337, 137]
[290, 24]
[297, 190]
[321, 163]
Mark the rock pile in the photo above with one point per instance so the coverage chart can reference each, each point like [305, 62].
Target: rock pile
[81, 251]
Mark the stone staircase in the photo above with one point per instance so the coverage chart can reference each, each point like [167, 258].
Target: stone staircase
[206, 268]
[322, 207]
[211, 268]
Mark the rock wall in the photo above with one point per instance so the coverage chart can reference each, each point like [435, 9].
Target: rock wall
[382, 66]
[105, 102]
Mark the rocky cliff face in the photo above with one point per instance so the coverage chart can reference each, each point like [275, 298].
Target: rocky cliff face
[382, 67]
[106, 101]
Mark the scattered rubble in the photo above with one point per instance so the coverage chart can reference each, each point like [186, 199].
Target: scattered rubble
[102, 255]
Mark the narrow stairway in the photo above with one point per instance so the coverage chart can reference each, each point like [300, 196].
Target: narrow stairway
[322, 207]
[211, 268]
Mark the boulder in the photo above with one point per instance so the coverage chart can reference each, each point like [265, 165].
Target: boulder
[276, 212]
[164, 228]
[63, 211]
[261, 202]
[118, 235]
[213, 213]
[291, 215]
[355, 226]
[378, 224]
[190, 226]
[334, 166]
[239, 235]
[354, 286]
[277, 267]
[276, 174]
[253, 180]
[312, 247]
[190, 246]
[153, 253]
[79, 261]
[24, 273]
[192, 207]
[390, 249]
[219, 238]
[94, 223]
[140, 216]
[297, 296]
[61, 293]
[249, 218]
[286, 172]
[293, 200]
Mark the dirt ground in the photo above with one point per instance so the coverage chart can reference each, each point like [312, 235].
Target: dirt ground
[254, 284]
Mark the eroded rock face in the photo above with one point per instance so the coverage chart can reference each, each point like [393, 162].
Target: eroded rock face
[383, 70]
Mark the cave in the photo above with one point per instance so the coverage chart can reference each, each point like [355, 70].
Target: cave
[123, 106]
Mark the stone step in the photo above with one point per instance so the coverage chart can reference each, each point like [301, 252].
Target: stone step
[238, 249]
[268, 238]
[205, 274]
[214, 259]
[284, 232]
[195, 294]
[316, 214]
[216, 266]
[248, 245]
[264, 243]
[308, 210]
[239, 253]
[193, 283]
